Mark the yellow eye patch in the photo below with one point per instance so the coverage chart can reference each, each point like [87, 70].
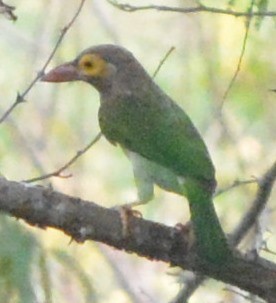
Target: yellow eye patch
[93, 65]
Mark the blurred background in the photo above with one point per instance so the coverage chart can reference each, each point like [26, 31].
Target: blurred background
[56, 121]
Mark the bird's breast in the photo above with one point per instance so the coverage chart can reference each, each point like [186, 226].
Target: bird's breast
[124, 119]
[111, 120]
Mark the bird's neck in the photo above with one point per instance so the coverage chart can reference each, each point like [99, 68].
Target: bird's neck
[103, 87]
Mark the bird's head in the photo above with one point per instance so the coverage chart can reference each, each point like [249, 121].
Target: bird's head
[100, 66]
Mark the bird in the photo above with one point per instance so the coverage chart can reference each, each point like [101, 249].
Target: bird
[156, 134]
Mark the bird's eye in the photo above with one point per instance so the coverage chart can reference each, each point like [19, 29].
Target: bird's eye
[92, 65]
[88, 64]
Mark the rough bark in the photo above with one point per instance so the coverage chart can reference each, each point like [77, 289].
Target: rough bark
[83, 220]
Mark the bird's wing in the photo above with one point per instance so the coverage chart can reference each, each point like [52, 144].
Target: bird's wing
[159, 130]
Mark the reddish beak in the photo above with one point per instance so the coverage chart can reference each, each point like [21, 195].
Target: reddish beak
[62, 73]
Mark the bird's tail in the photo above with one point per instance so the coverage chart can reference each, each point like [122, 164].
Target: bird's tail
[210, 240]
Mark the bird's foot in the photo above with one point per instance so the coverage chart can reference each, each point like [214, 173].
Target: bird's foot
[134, 204]
[126, 212]
[128, 208]
[187, 231]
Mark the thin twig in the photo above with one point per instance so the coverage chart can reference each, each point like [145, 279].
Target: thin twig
[237, 292]
[188, 289]
[238, 67]
[265, 186]
[7, 10]
[235, 184]
[57, 173]
[21, 97]
[197, 9]
[161, 63]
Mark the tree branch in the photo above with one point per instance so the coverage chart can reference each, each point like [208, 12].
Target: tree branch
[57, 172]
[84, 220]
[21, 97]
[161, 63]
[238, 67]
[200, 8]
[7, 10]
[258, 204]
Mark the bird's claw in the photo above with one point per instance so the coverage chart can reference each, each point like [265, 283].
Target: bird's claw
[126, 212]
[187, 231]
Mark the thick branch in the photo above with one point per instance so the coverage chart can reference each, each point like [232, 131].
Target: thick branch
[84, 220]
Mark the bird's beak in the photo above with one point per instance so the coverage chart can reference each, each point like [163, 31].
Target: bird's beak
[62, 73]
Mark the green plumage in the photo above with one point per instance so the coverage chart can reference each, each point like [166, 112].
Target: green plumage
[156, 134]
[169, 152]
[153, 126]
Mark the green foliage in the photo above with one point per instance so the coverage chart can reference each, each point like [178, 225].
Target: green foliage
[262, 6]
[17, 252]
[75, 269]
[45, 278]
